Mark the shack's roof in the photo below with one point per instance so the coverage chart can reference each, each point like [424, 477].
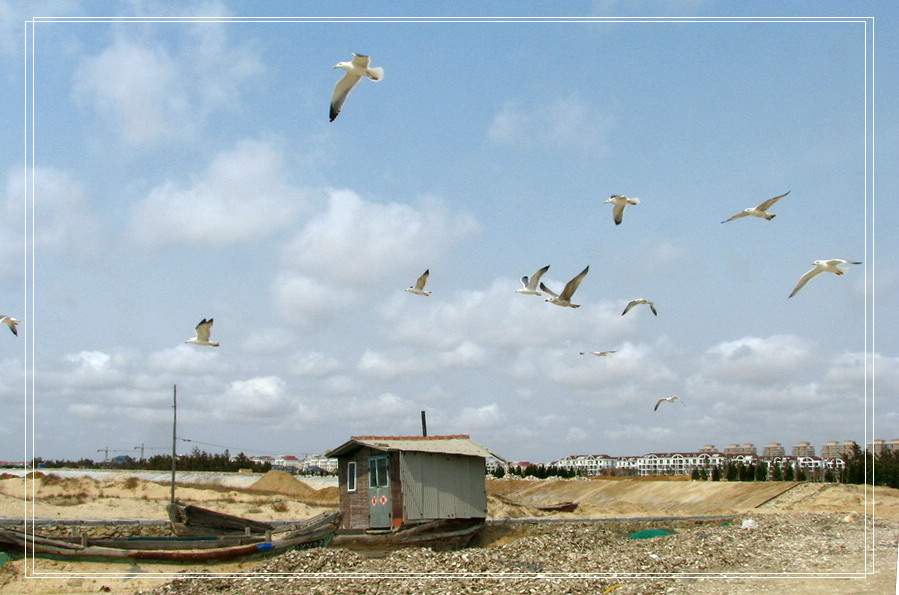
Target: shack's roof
[455, 445]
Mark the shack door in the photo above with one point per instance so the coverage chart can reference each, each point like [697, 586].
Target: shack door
[380, 507]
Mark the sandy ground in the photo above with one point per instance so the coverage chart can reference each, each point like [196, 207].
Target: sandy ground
[278, 496]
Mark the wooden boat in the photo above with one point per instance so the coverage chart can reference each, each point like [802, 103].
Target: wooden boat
[558, 507]
[314, 532]
[554, 507]
[188, 519]
[439, 535]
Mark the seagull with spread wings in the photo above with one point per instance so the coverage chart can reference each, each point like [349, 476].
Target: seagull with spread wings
[355, 69]
[760, 211]
[638, 302]
[822, 266]
[529, 285]
[12, 323]
[419, 287]
[620, 201]
[666, 400]
[564, 299]
[203, 328]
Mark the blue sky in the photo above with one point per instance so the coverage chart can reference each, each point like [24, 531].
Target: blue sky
[186, 169]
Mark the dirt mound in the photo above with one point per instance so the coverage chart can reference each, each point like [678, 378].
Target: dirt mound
[281, 482]
[629, 497]
[327, 496]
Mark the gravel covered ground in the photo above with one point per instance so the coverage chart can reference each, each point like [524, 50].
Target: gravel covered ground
[758, 554]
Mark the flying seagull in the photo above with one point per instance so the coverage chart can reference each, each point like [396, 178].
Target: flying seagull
[203, 328]
[419, 287]
[355, 70]
[637, 302]
[760, 211]
[822, 266]
[529, 286]
[564, 299]
[667, 399]
[597, 353]
[620, 201]
[11, 323]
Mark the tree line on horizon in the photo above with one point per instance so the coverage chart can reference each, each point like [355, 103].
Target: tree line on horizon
[197, 460]
[862, 467]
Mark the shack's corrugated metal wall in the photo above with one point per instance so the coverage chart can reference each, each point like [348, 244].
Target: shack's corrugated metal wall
[440, 486]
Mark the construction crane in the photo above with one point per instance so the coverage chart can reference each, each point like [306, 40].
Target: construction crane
[143, 448]
[106, 450]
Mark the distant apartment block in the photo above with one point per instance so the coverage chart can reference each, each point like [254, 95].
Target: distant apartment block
[835, 449]
[774, 449]
[803, 449]
[742, 449]
[881, 446]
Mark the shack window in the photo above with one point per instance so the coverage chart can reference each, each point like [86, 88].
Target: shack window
[378, 472]
[351, 476]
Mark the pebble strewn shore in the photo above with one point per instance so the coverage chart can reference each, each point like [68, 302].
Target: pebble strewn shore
[555, 559]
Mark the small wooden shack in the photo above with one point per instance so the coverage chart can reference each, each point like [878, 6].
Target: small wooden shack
[390, 482]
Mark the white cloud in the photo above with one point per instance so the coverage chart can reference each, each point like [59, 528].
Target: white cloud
[242, 196]
[499, 318]
[356, 244]
[137, 89]
[149, 93]
[479, 418]
[314, 364]
[466, 355]
[358, 241]
[757, 360]
[268, 341]
[379, 365]
[566, 122]
[384, 406]
[185, 360]
[64, 223]
[93, 361]
[305, 301]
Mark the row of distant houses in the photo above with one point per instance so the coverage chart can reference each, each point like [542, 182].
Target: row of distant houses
[683, 463]
[310, 465]
[802, 456]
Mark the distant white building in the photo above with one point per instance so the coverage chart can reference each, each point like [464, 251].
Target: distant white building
[587, 464]
[673, 463]
[322, 462]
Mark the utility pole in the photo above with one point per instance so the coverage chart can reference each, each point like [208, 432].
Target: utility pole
[174, 435]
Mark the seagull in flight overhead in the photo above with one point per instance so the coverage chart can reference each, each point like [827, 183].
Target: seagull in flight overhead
[638, 302]
[203, 328]
[11, 323]
[355, 70]
[822, 266]
[419, 287]
[529, 286]
[564, 299]
[666, 399]
[760, 211]
[620, 201]
[597, 353]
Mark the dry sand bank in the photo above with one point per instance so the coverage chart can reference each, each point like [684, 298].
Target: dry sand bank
[279, 496]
